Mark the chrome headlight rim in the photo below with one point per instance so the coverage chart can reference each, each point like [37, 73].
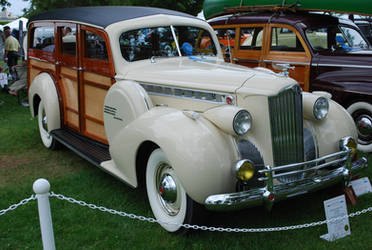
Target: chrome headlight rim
[321, 108]
[245, 163]
[242, 122]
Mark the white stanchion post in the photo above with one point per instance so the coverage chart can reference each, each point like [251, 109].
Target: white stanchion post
[41, 187]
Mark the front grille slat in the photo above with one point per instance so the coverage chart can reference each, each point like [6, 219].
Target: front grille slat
[287, 128]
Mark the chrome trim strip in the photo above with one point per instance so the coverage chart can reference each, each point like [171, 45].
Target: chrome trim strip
[305, 170]
[186, 93]
[269, 61]
[342, 66]
[315, 161]
[286, 62]
[246, 60]
[38, 59]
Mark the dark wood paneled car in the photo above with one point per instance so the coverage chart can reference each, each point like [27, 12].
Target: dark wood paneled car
[323, 53]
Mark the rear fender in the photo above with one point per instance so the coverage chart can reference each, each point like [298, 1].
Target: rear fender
[42, 87]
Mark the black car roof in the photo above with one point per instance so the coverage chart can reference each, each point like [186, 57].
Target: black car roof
[103, 16]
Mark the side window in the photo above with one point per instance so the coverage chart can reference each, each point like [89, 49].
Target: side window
[318, 38]
[285, 40]
[226, 37]
[95, 47]
[43, 39]
[251, 38]
[68, 40]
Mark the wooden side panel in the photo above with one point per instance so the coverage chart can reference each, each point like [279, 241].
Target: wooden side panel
[95, 90]
[96, 130]
[94, 99]
[69, 87]
[72, 118]
[36, 66]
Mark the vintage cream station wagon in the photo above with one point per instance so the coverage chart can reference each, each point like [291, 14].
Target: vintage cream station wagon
[132, 90]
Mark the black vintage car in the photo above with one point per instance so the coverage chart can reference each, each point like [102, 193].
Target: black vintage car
[322, 52]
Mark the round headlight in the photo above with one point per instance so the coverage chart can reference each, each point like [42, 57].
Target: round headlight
[320, 108]
[242, 122]
[244, 170]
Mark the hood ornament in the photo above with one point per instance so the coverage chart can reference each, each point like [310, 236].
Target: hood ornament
[284, 67]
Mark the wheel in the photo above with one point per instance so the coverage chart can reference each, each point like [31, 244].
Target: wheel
[362, 115]
[47, 139]
[168, 200]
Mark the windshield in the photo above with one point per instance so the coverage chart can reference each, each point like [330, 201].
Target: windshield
[336, 39]
[167, 41]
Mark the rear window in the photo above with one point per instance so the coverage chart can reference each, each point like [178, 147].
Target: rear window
[43, 39]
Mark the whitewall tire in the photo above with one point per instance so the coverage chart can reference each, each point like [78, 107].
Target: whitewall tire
[362, 115]
[168, 200]
[46, 138]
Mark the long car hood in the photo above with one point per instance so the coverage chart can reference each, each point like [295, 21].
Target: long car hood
[205, 75]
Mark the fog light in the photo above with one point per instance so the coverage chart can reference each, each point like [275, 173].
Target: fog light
[244, 170]
[349, 143]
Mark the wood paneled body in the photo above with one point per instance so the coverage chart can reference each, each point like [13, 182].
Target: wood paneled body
[262, 45]
[82, 78]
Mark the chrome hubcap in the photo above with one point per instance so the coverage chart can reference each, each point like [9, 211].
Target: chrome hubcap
[167, 187]
[364, 125]
[44, 123]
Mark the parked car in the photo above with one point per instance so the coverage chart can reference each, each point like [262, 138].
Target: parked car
[131, 90]
[322, 52]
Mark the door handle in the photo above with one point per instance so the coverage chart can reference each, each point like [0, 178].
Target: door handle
[78, 69]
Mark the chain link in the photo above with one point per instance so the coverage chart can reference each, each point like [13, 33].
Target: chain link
[15, 206]
[205, 228]
[196, 227]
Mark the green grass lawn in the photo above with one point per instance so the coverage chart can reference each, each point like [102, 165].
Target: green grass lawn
[23, 159]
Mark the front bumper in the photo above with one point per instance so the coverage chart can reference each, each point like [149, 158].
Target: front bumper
[271, 193]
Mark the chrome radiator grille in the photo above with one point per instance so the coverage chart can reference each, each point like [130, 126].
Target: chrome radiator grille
[287, 128]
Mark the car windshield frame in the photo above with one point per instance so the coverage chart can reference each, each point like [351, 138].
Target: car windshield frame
[338, 38]
[166, 41]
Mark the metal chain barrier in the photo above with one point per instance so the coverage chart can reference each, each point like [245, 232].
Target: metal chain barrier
[15, 206]
[205, 228]
[196, 227]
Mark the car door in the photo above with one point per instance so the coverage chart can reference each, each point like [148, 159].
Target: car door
[250, 44]
[68, 72]
[96, 77]
[286, 46]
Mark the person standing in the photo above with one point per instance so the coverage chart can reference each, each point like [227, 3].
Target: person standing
[11, 48]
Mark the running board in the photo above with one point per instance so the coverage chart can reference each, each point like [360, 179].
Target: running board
[93, 151]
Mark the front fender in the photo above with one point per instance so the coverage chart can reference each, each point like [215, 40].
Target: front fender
[43, 88]
[201, 155]
[336, 125]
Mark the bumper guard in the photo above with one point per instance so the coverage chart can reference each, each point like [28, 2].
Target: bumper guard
[270, 193]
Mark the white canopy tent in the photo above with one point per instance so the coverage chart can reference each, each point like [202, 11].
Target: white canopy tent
[15, 24]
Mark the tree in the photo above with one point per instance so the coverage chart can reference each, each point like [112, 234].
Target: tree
[4, 3]
[192, 7]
